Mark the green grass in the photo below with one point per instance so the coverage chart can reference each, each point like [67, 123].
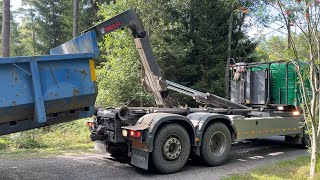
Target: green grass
[292, 169]
[57, 139]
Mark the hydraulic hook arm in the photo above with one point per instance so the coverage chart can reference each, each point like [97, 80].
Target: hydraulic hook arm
[130, 19]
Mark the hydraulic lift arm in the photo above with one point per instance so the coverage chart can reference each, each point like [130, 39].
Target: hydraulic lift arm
[153, 79]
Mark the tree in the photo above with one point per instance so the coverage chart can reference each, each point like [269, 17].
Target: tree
[227, 71]
[52, 21]
[192, 49]
[15, 39]
[120, 72]
[303, 44]
[26, 37]
[6, 28]
[50, 24]
[213, 37]
[275, 48]
[75, 18]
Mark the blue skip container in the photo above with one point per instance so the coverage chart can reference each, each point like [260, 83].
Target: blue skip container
[43, 90]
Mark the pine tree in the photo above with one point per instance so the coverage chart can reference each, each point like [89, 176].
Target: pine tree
[49, 23]
[75, 17]
[6, 28]
[189, 39]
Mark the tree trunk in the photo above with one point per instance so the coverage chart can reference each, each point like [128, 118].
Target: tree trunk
[6, 28]
[33, 31]
[75, 18]
[227, 73]
[314, 150]
[239, 30]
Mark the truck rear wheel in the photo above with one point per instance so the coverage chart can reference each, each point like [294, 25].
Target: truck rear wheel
[216, 144]
[306, 141]
[171, 148]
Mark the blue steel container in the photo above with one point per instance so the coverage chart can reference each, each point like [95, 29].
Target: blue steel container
[42, 90]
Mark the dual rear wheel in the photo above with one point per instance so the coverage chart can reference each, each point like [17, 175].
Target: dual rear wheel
[216, 144]
[172, 147]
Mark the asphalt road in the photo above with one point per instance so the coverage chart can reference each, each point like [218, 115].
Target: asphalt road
[244, 157]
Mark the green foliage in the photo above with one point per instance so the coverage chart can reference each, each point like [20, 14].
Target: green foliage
[120, 73]
[4, 143]
[276, 48]
[188, 40]
[52, 23]
[60, 136]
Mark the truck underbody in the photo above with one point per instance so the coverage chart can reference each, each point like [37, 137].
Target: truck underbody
[132, 132]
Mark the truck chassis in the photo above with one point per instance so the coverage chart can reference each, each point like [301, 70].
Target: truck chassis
[166, 137]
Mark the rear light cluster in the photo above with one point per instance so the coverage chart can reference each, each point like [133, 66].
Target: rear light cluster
[135, 133]
[293, 111]
[296, 113]
[280, 108]
[90, 124]
[131, 133]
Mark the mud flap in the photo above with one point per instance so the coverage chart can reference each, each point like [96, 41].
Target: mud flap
[140, 158]
[100, 146]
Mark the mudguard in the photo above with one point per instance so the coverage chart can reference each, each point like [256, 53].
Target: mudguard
[201, 120]
[150, 124]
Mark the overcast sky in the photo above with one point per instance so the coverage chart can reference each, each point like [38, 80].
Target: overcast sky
[15, 4]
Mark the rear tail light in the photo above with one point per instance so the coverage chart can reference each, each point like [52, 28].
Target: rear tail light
[296, 113]
[90, 124]
[135, 134]
[280, 108]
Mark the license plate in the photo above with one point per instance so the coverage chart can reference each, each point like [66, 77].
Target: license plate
[139, 145]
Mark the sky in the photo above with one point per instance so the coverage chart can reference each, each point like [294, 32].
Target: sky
[253, 32]
[15, 4]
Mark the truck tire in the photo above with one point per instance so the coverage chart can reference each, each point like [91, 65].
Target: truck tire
[171, 149]
[216, 144]
[306, 141]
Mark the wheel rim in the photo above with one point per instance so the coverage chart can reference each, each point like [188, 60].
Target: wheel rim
[171, 148]
[218, 143]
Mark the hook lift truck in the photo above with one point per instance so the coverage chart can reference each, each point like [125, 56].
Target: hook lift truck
[61, 87]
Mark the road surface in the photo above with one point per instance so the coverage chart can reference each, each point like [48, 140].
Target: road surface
[245, 156]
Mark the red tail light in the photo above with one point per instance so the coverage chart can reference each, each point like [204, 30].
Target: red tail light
[136, 134]
[90, 123]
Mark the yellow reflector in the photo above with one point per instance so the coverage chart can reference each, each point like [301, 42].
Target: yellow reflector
[92, 70]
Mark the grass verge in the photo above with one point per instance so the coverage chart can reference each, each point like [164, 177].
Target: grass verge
[284, 170]
[71, 137]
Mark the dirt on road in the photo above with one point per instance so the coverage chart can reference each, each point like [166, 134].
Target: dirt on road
[245, 156]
